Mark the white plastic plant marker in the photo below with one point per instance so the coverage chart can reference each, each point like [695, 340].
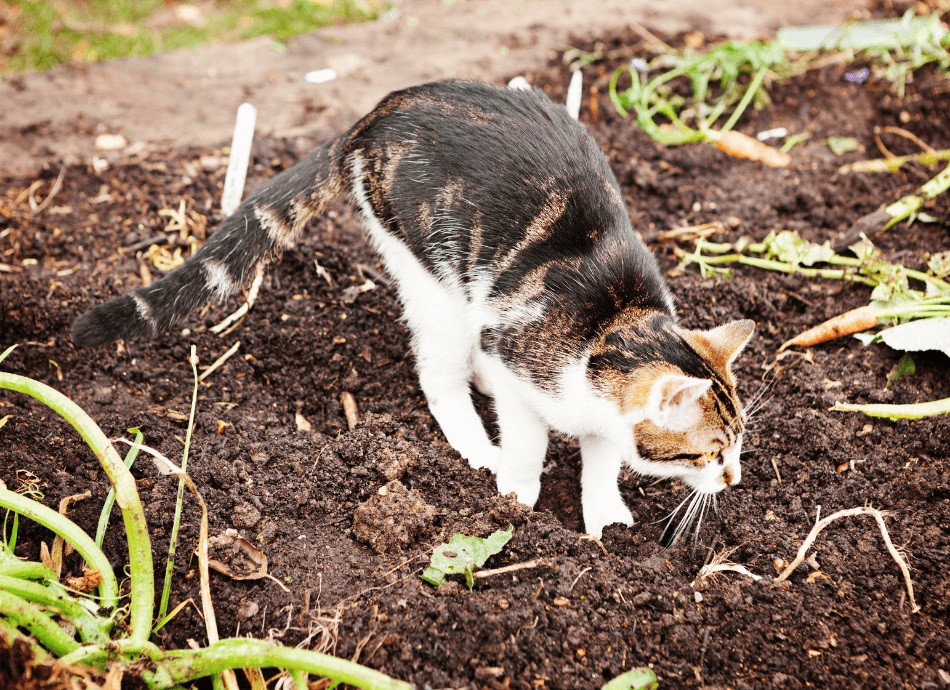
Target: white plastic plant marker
[320, 76]
[574, 93]
[519, 83]
[920, 335]
[777, 133]
[239, 158]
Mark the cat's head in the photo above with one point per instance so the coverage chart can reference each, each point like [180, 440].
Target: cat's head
[687, 420]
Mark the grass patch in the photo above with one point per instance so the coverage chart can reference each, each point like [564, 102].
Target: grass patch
[37, 35]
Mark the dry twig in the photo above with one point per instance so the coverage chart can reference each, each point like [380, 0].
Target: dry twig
[219, 361]
[527, 565]
[231, 322]
[350, 410]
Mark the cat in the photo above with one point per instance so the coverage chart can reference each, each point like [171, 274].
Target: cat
[519, 271]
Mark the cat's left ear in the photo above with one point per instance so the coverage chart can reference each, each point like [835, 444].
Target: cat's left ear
[726, 342]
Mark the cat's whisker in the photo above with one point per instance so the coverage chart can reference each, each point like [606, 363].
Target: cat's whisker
[687, 520]
[665, 539]
[758, 395]
[702, 516]
[675, 510]
[753, 407]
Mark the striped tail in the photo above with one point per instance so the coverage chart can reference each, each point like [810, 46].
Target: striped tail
[265, 224]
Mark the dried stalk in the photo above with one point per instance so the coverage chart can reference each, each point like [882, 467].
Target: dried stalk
[864, 510]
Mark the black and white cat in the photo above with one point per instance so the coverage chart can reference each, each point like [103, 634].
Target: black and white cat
[519, 271]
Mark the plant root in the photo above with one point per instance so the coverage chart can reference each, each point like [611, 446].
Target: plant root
[864, 510]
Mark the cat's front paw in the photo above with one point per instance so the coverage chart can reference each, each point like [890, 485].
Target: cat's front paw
[526, 491]
[488, 458]
[601, 514]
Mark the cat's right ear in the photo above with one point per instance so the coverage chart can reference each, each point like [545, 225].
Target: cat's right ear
[672, 403]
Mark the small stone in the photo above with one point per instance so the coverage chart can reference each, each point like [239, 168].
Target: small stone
[102, 395]
[489, 672]
[247, 609]
[245, 516]
[110, 142]
[503, 604]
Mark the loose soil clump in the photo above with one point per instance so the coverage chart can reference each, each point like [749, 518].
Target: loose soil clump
[349, 518]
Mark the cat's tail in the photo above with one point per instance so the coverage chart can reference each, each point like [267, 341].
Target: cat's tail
[266, 223]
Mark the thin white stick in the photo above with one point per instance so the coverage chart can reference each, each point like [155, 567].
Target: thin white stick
[573, 103]
[241, 311]
[535, 563]
[239, 158]
[864, 510]
[219, 361]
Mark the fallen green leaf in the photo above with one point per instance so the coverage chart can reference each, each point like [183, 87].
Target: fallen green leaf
[636, 679]
[462, 555]
[903, 368]
[839, 145]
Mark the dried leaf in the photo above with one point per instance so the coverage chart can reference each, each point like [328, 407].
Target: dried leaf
[88, 581]
[254, 554]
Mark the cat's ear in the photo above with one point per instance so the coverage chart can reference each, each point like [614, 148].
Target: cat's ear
[726, 342]
[672, 403]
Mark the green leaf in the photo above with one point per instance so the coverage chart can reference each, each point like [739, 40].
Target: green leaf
[462, 555]
[637, 679]
[939, 264]
[840, 145]
[905, 367]
[788, 246]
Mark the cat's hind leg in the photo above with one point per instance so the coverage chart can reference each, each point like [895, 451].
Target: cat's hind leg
[444, 337]
[444, 349]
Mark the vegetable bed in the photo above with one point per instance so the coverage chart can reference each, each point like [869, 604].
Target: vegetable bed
[348, 518]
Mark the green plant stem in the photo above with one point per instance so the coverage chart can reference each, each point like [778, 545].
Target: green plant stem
[895, 412]
[906, 206]
[183, 666]
[87, 625]
[25, 570]
[179, 499]
[300, 679]
[99, 656]
[9, 632]
[747, 97]
[33, 619]
[140, 549]
[110, 498]
[891, 165]
[778, 266]
[70, 531]
[721, 248]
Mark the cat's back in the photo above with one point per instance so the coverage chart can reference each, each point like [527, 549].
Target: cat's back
[488, 136]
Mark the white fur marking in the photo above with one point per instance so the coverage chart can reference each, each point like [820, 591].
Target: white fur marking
[218, 277]
[144, 310]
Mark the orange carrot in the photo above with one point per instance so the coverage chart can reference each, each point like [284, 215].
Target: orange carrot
[850, 322]
[740, 145]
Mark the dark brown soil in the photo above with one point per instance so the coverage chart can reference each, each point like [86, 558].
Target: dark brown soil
[350, 555]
